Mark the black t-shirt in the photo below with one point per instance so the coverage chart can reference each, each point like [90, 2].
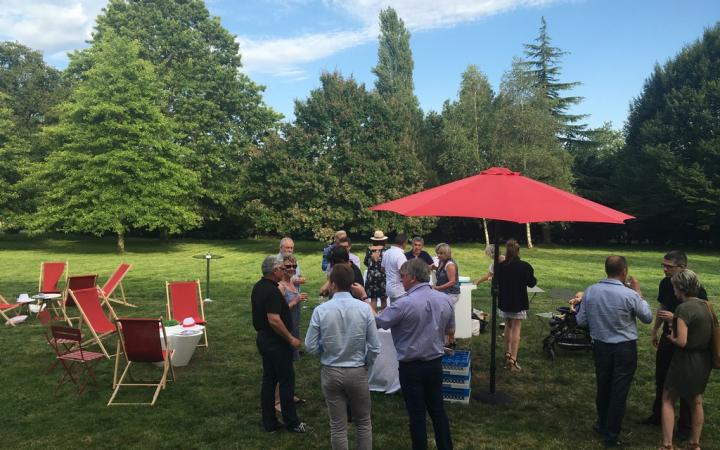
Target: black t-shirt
[425, 256]
[666, 296]
[267, 299]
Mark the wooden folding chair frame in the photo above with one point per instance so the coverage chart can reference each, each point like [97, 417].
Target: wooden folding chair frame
[199, 300]
[117, 384]
[66, 292]
[72, 356]
[119, 284]
[97, 338]
[4, 310]
[53, 303]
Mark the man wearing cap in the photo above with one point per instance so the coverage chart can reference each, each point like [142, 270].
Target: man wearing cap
[419, 322]
[343, 332]
[326, 251]
[271, 320]
[393, 258]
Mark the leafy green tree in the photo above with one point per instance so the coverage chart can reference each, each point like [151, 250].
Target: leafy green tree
[395, 86]
[595, 161]
[543, 63]
[116, 167]
[334, 162]
[32, 87]
[668, 173]
[525, 134]
[12, 158]
[218, 111]
[467, 127]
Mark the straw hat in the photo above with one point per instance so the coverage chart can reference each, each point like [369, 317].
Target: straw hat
[378, 235]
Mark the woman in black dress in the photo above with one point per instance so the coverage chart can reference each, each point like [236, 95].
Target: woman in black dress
[514, 277]
[375, 278]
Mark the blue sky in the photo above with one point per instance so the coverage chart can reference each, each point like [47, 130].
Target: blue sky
[286, 44]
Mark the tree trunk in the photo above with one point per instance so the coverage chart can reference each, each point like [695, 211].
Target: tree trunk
[529, 236]
[121, 241]
[487, 234]
[547, 236]
[165, 236]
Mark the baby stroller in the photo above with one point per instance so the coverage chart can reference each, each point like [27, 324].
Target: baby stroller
[565, 333]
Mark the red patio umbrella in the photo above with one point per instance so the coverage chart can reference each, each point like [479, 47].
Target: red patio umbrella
[501, 194]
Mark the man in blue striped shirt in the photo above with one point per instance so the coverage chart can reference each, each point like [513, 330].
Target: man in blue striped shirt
[610, 309]
[343, 332]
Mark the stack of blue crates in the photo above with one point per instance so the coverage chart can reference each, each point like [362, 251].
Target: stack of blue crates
[456, 377]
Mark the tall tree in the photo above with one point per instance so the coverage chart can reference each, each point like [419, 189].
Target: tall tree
[33, 88]
[543, 63]
[116, 167]
[525, 133]
[218, 111]
[12, 159]
[467, 127]
[668, 173]
[334, 162]
[395, 86]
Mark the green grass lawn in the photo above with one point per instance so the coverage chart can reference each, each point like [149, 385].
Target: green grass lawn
[214, 402]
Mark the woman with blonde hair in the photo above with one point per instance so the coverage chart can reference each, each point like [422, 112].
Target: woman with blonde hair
[514, 277]
[447, 279]
[687, 377]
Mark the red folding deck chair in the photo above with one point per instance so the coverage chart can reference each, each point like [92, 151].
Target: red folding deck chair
[184, 299]
[90, 305]
[76, 282]
[74, 357]
[114, 282]
[6, 307]
[141, 341]
[51, 273]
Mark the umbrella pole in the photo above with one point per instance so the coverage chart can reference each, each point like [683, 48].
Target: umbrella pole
[492, 396]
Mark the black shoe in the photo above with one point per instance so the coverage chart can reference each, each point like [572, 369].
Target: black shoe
[273, 428]
[653, 421]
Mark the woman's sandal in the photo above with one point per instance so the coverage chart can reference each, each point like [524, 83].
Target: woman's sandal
[508, 358]
[666, 447]
[693, 446]
[514, 366]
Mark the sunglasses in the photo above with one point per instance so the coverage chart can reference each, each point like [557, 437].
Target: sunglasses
[291, 266]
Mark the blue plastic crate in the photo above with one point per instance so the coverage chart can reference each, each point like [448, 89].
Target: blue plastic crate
[457, 364]
[456, 381]
[456, 395]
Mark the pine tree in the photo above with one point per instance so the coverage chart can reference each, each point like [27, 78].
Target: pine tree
[543, 63]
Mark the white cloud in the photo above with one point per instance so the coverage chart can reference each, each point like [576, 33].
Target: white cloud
[49, 25]
[285, 56]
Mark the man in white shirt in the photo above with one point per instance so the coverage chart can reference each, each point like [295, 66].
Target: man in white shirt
[392, 259]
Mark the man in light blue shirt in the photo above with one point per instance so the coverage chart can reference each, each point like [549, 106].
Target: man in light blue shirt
[343, 332]
[419, 321]
[610, 309]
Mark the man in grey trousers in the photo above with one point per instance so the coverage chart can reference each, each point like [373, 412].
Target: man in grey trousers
[343, 332]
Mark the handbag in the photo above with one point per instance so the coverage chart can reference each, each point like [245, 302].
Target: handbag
[715, 340]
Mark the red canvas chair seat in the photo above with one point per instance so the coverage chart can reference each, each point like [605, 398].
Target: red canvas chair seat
[75, 360]
[184, 299]
[114, 282]
[89, 304]
[50, 275]
[76, 282]
[141, 341]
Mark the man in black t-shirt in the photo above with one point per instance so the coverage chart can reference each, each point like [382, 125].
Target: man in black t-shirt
[418, 252]
[271, 320]
[673, 262]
